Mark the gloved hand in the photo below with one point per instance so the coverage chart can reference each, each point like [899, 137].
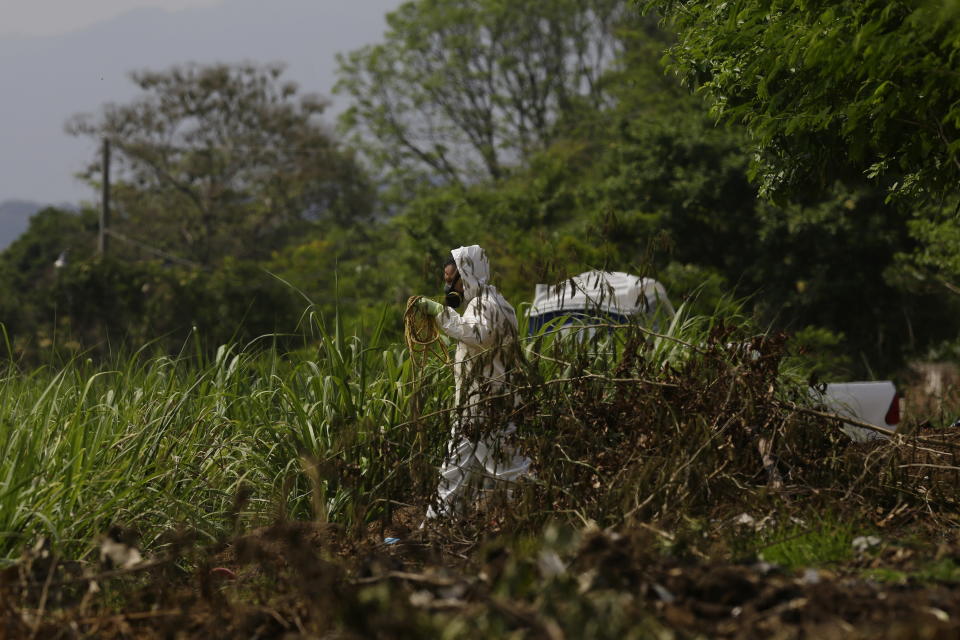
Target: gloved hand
[428, 306]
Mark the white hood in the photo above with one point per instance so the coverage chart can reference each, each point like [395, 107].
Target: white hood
[474, 269]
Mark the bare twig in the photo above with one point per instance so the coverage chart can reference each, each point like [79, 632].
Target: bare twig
[104, 575]
[418, 578]
[137, 615]
[895, 438]
[925, 465]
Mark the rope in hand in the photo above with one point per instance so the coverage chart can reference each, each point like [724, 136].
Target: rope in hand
[423, 338]
[422, 335]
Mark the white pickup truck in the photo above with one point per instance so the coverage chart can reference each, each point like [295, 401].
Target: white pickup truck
[616, 296]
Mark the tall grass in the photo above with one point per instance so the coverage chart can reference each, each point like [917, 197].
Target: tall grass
[160, 443]
[149, 444]
[622, 424]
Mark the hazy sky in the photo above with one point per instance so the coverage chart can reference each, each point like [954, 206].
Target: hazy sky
[75, 56]
[54, 17]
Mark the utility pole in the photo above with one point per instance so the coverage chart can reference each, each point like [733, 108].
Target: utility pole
[105, 200]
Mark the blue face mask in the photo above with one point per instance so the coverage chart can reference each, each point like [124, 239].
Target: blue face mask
[452, 299]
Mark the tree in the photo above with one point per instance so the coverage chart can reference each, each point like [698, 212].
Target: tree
[54, 238]
[463, 89]
[223, 160]
[33, 304]
[666, 194]
[831, 88]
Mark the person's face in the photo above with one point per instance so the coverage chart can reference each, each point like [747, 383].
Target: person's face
[449, 275]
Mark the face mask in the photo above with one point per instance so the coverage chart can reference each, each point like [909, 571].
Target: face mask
[452, 298]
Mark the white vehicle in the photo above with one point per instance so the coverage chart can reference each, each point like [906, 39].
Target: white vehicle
[615, 297]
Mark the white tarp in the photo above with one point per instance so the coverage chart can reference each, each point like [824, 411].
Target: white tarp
[613, 293]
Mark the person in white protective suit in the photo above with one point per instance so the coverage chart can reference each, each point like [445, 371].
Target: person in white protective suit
[478, 454]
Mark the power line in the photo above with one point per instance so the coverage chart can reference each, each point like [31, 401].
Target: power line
[149, 249]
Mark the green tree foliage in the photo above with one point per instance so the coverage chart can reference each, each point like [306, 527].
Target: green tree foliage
[937, 228]
[466, 89]
[30, 261]
[825, 260]
[347, 272]
[59, 297]
[630, 172]
[832, 263]
[831, 87]
[665, 192]
[847, 104]
[222, 160]
[32, 268]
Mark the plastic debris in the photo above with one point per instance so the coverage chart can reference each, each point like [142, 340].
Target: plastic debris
[862, 543]
[810, 576]
[550, 564]
[663, 593]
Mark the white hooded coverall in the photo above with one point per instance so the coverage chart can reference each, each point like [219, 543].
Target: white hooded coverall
[486, 334]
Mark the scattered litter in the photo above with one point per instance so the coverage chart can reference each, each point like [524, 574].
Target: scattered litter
[422, 598]
[115, 552]
[663, 593]
[748, 521]
[861, 543]
[585, 580]
[810, 576]
[745, 520]
[391, 540]
[453, 592]
[939, 614]
[550, 564]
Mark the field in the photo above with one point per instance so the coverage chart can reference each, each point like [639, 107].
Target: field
[683, 490]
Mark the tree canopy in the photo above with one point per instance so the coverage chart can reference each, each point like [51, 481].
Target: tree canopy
[601, 160]
[831, 87]
[224, 160]
[465, 89]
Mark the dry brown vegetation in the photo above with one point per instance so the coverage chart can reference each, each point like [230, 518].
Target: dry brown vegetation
[683, 490]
